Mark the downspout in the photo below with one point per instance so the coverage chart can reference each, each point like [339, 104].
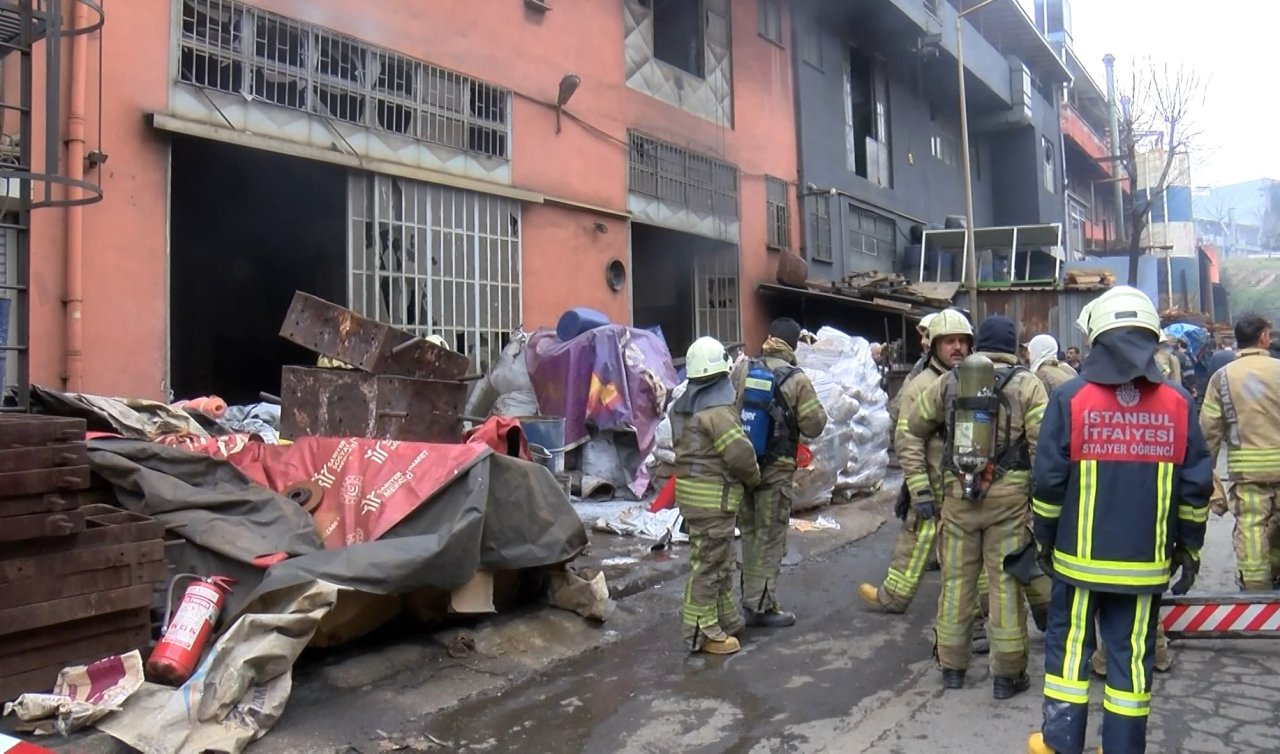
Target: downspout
[73, 356]
[1116, 165]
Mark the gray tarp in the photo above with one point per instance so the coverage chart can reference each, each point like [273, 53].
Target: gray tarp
[500, 514]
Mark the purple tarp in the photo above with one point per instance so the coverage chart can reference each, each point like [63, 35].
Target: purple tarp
[611, 379]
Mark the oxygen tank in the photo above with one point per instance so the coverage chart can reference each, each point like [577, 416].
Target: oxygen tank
[974, 421]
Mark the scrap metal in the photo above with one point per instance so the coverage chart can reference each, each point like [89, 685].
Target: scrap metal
[346, 403]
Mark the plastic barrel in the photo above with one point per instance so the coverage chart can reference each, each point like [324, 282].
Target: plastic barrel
[547, 432]
[578, 320]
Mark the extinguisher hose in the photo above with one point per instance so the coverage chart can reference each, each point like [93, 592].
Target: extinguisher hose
[168, 601]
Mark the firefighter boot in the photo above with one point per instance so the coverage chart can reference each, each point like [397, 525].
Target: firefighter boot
[773, 618]
[1007, 687]
[870, 596]
[952, 679]
[724, 646]
[1036, 744]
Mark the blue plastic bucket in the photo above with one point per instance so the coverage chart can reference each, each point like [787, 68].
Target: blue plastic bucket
[548, 433]
[578, 320]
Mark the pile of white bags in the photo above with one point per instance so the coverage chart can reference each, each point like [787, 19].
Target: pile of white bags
[852, 454]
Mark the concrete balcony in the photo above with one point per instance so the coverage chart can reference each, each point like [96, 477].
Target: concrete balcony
[1082, 135]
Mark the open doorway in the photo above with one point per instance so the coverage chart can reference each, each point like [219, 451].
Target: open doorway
[685, 284]
[247, 229]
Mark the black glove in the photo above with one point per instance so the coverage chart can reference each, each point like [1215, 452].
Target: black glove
[1045, 559]
[922, 503]
[903, 503]
[1189, 563]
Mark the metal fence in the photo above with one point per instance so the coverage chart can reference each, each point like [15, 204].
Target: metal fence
[682, 178]
[232, 47]
[436, 261]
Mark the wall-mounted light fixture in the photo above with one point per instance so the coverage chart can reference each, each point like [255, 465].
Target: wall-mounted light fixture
[568, 85]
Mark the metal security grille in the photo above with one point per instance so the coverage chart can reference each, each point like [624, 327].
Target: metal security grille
[687, 179]
[777, 215]
[870, 233]
[233, 47]
[715, 279]
[821, 239]
[436, 261]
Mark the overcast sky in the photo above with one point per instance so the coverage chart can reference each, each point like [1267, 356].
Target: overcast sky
[1232, 43]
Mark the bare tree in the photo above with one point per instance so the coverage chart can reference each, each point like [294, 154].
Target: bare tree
[1157, 130]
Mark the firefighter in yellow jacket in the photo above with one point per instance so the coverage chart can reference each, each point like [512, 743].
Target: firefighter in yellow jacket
[1167, 360]
[950, 340]
[790, 409]
[1242, 409]
[985, 518]
[715, 465]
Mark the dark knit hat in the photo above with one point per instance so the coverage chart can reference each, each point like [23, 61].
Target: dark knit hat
[997, 334]
[786, 330]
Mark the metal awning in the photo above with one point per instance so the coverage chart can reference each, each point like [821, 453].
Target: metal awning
[1013, 238]
[913, 312]
[1007, 26]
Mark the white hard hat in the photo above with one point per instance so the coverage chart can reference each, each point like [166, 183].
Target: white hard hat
[436, 340]
[1122, 306]
[949, 322]
[923, 326]
[706, 357]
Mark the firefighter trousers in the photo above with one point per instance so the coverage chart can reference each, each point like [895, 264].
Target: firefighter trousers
[911, 554]
[1256, 507]
[965, 554]
[763, 519]
[1127, 626]
[709, 610]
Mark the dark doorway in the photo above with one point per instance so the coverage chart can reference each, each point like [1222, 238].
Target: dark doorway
[247, 229]
[685, 284]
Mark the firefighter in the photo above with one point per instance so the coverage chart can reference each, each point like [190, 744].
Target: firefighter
[1167, 360]
[1121, 487]
[765, 515]
[715, 465]
[985, 515]
[950, 339]
[1073, 358]
[921, 363]
[1043, 350]
[1242, 409]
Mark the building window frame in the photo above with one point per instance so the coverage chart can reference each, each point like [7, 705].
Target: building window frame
[1050, 165]
[693, 61]
[769, 20]
[820, 248]
[236, 48]
[810, 40]
[777, 213]
[870, 233]
[681, 177]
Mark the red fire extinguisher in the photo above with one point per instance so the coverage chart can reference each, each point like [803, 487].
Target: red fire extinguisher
[178, 652]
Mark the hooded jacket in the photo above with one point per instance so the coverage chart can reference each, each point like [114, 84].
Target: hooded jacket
[1122, 475]
[715, 461]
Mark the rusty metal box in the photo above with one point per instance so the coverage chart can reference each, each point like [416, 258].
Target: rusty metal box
[347, 403]
[367, 345]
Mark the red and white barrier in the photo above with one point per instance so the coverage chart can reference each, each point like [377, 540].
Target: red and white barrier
[1238, 616]
[10, 745]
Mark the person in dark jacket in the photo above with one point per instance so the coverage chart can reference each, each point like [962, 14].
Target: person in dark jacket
[1121, 484]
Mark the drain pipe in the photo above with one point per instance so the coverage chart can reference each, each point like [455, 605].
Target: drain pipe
[1116, 165]
[73, 355]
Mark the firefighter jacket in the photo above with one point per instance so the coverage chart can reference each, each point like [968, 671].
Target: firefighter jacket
[1122, 477]
[1017, 432]
[907, 396]
[1054, 373]
[797, 391]
[919, 366]
[1169, 366]
[1242, 408]
[715, 461]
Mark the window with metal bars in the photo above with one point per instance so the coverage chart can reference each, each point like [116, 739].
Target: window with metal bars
[435, 260]
[870, 233]
[820, 244]
[777, 213]
[681, 177]
[715, 276]
[232, 47]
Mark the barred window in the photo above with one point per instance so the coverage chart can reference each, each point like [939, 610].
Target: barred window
[435, 260]
[870, 233]
[683, 178]
[232, 47]
[820, 239]
[777, 214]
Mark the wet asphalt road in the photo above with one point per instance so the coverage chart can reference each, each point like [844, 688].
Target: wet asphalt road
[846, 680]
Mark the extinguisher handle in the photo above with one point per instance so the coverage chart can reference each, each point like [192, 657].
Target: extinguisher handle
[221, 583]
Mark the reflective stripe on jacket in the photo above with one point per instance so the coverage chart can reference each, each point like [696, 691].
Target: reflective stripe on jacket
[1122, 476]
[1242, 409]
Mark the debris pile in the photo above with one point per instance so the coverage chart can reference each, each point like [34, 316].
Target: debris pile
[77, 574]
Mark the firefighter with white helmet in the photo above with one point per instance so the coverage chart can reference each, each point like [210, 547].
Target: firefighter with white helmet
[715, 465]
[1121, 485]
[950, 340]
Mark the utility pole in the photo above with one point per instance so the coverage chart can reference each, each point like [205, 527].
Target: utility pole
[970, 247]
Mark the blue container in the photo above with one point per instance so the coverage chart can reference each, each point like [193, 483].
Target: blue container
[578, 320]
[547, 432]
